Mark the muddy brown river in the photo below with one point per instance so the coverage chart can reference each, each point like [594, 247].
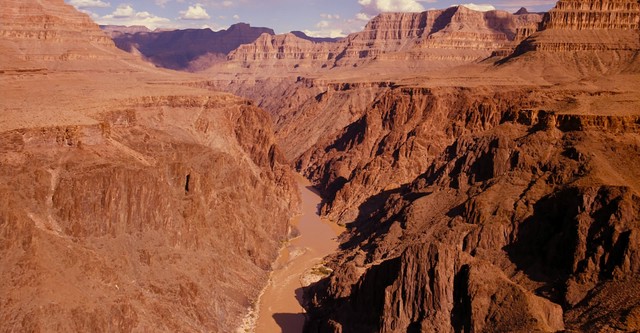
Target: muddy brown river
[279, 308]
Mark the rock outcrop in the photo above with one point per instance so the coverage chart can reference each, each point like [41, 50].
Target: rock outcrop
[282, 51]
[521, 216]
[129, 201]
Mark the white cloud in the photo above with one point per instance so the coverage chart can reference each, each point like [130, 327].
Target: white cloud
[378, 6]
[363, 17]
[330, 16]
[480, 8]
[336, 27]
[123, 11]
[89, 4]
[214, 27]
[333, 33]
[323, 24]
[126, 15]
[195, 12]
[227, 3]
[161, 3]
[236, 17]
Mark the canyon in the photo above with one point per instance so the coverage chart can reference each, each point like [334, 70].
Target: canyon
[482, 167]
[129, 201]
[495, 191]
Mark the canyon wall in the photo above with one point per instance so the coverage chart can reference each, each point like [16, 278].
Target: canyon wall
[129, 200]
[508, 227]
[490, 207]
[439, 38]
[164, 216]
[590, 38]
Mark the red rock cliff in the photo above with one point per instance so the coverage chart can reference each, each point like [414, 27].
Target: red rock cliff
[128, 200]
[523, 214]
[588, 26]
[455, 35]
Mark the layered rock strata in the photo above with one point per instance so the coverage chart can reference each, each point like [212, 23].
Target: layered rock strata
[50, 32]
[608, 29]
[164, 216]
[439, 37]
[129, 201]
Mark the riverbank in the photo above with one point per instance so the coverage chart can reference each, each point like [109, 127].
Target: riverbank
[299, 263]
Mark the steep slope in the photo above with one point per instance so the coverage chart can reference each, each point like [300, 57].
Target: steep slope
[582, 38]
[48, 34]
[505, 223]
[190, 49]
[128, 200]
[478, 200]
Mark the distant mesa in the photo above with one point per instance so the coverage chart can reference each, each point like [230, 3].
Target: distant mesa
[110, 29]
[431, 39]
[521, 11]
[187, 49]
[302, 35]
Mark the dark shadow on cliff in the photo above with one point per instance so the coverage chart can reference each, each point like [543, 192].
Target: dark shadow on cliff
[547, 244]
[377, 208]
[290, 322]
[358, 312]
[371, 210]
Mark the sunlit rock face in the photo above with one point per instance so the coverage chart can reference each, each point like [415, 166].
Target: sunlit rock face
[128, 200]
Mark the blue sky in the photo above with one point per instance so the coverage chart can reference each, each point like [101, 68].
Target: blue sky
[326, 18]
